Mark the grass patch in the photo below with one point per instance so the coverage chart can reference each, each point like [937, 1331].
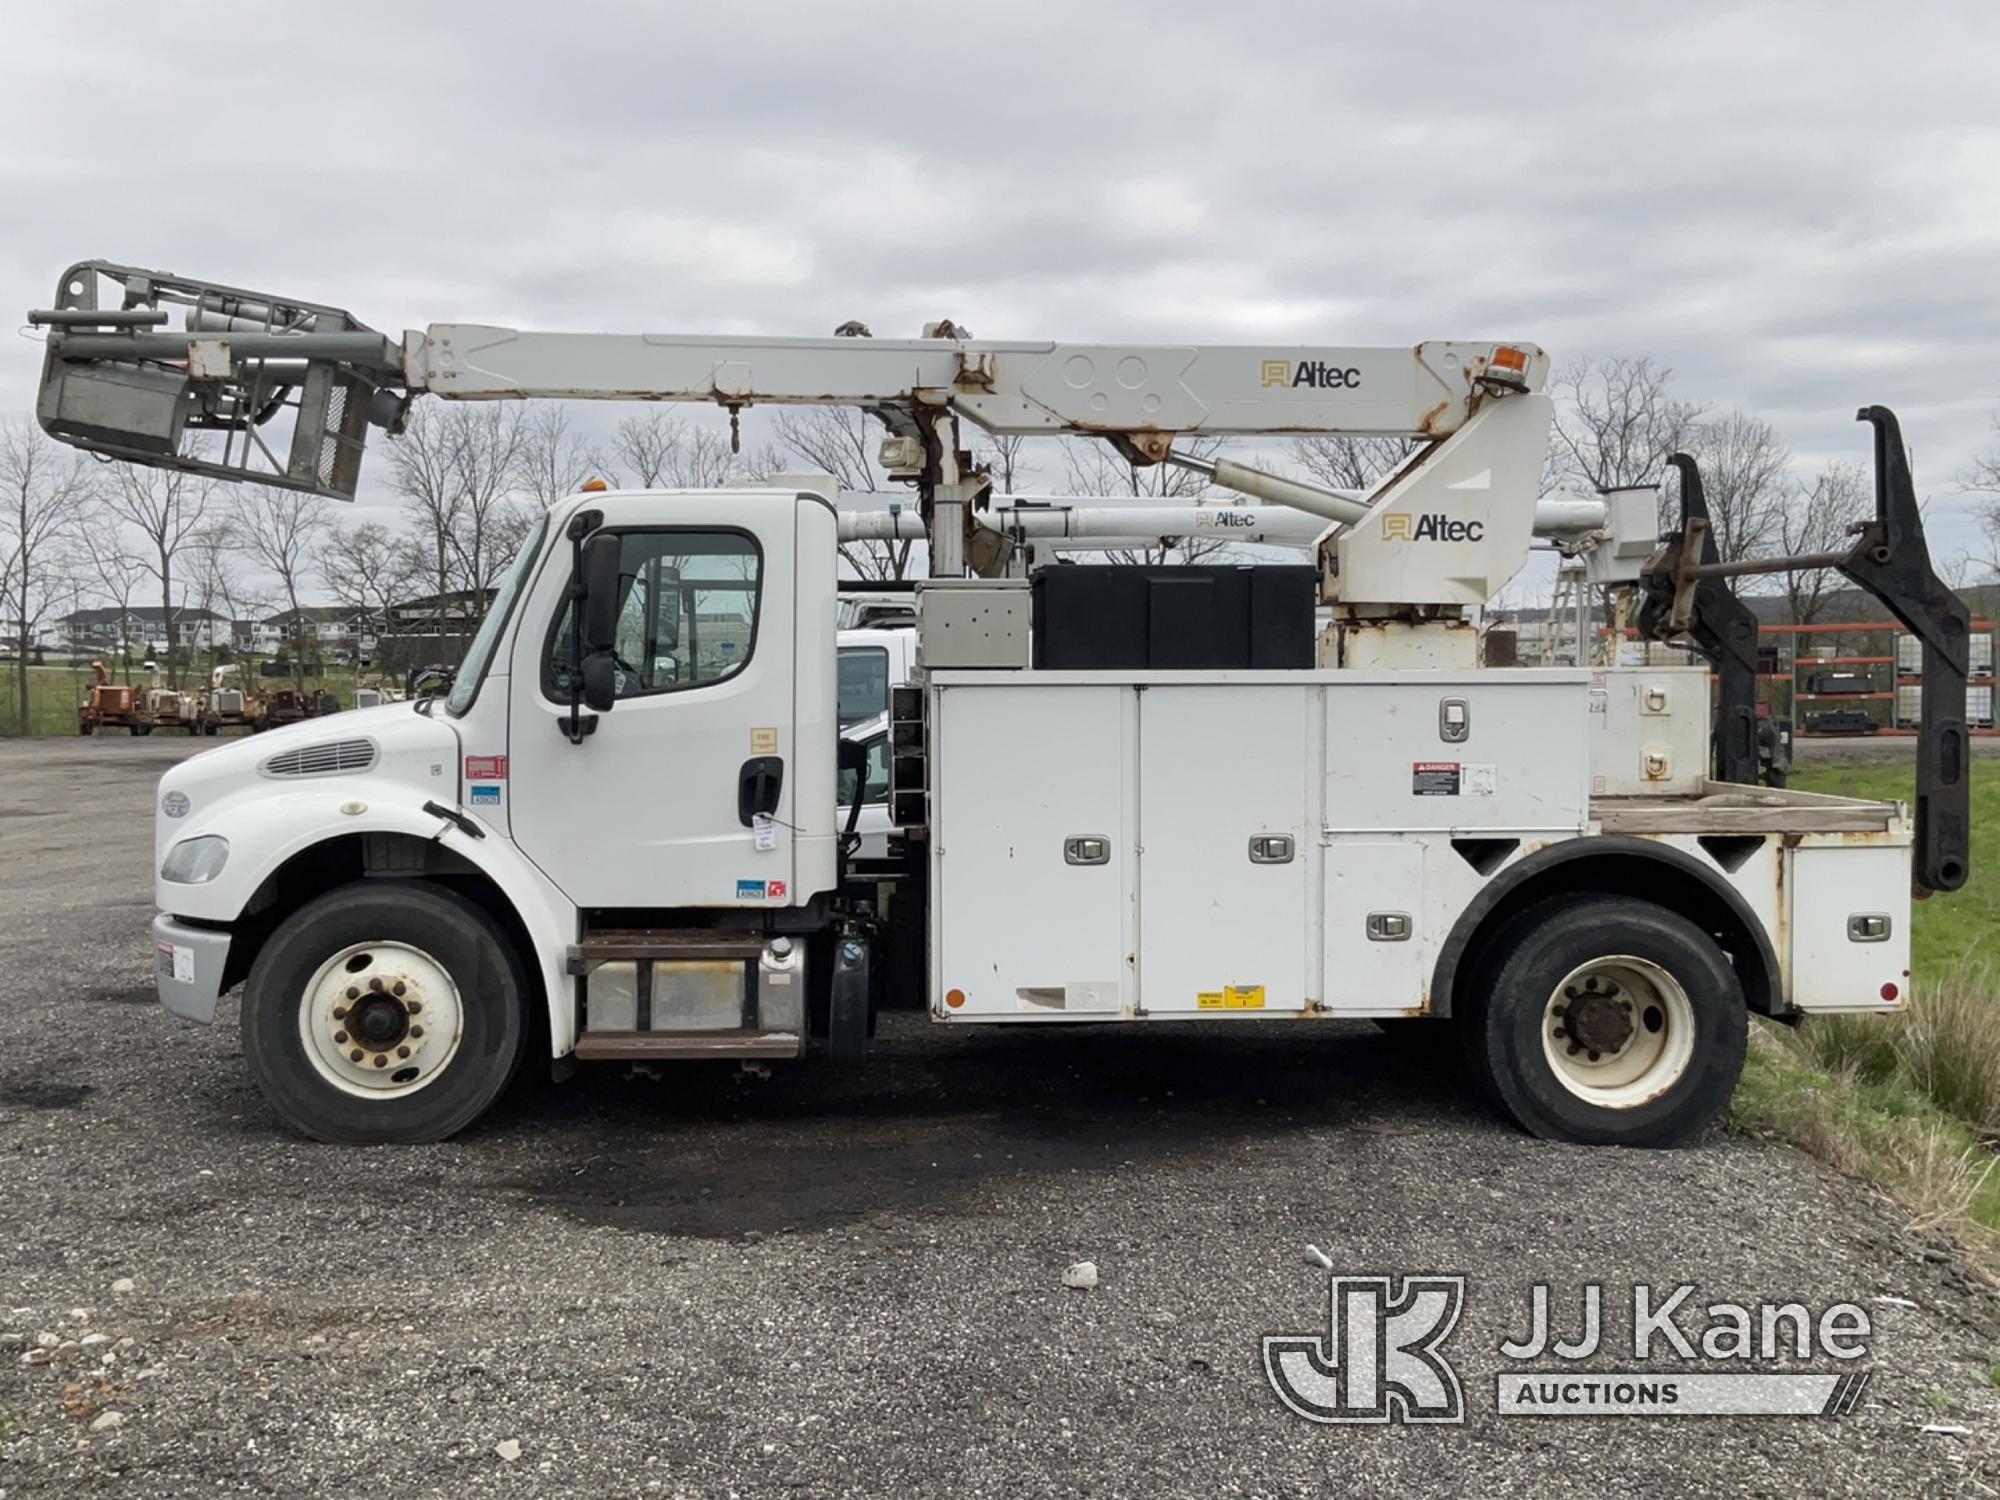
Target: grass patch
[1910, 1102]
[56, 692]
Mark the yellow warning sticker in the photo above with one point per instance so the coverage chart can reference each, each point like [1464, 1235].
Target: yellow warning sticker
[1231, 997]
[764, 741]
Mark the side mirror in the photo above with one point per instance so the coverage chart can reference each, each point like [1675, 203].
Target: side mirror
[601, 594]
[600, 681]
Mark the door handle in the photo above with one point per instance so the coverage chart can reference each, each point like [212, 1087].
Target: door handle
[758, 787]
[1087, 849]
[1270, 849]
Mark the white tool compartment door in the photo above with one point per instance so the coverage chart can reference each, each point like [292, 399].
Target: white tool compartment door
[1032, 835]
[1225, 809]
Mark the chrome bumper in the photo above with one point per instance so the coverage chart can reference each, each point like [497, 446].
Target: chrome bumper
[190, 967]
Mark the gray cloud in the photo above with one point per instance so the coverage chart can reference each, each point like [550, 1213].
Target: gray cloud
[1797, 206]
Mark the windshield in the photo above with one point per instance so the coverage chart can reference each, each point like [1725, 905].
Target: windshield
[472, 670]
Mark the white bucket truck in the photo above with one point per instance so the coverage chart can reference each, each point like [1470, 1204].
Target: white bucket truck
[1126, 799]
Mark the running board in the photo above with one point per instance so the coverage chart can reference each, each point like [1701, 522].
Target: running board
[669, 945]
[600, 1046]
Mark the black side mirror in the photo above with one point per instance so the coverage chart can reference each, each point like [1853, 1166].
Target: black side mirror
[600, 681]
[601, 594]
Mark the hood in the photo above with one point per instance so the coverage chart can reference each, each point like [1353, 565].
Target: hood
[390, 742]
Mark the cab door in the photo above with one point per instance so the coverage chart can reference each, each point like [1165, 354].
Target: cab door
[656, 806]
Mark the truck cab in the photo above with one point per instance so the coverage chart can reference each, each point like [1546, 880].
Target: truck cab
[405, 888]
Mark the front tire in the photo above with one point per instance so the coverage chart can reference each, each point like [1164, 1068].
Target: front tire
[1608, 1021]
[384, 1012]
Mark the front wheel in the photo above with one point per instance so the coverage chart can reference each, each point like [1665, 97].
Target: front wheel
[384, 1011]
[1608, 1021]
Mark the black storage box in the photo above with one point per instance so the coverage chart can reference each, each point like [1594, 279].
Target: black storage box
[1110, 617]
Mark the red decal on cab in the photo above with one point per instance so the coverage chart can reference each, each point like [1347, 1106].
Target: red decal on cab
[775, 889]
[485, 768]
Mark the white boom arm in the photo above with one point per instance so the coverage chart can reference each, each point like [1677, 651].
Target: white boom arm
[1455, 518]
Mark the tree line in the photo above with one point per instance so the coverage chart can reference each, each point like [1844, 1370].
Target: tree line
[470, 478]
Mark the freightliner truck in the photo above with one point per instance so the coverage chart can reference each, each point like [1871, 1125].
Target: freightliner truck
[1124, 796]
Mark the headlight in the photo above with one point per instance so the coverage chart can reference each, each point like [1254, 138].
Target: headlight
[196, 861]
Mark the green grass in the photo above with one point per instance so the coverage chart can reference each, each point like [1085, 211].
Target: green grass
[1963, 927]
[1911, 1102]
[55, 692]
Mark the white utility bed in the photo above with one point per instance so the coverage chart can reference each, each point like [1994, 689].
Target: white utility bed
[1208, 843]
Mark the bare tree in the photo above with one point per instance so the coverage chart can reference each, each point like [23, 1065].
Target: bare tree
[42, 493]
[366, 567]
[1815, 518]
[839, 441]
[456, 471]
[1982, 477]
[114, 566]
[1095, 468]
[211, 572]
[1003, 454]
[281, 531]
[663, 451]
[555, 459]
[1616, 422]
[165, 507]
[1743, 475]
[1351, 463]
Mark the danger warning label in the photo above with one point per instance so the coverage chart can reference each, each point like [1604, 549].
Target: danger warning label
[1434, 778]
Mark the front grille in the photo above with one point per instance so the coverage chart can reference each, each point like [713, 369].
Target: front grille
[326, 759]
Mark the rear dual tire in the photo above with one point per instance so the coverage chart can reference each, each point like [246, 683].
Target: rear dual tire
[1606, 1021]
[386, 1011]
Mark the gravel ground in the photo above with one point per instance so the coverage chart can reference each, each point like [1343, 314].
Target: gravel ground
[845, 1282]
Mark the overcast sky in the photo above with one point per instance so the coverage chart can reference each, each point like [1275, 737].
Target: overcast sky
[1796, 206]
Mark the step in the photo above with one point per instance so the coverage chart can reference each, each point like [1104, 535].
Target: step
[603, 1045]
[668, 944]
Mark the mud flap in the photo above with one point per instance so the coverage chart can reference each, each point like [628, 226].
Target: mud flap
[847, 1017]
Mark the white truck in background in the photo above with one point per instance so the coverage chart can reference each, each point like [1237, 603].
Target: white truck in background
[1127, 797]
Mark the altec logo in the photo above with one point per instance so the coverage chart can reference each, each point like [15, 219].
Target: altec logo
[1316, 373]
[1431, 528]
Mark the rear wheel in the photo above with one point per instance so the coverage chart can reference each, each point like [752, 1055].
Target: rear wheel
[384, 1011]
[1608, 1021]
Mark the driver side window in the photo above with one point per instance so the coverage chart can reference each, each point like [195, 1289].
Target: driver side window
[687, 613]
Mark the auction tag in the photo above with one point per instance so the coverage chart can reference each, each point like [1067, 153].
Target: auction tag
[764, 830]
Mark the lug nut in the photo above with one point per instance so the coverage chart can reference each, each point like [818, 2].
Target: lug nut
[340, 1037]
[416, 1031]
[375, 985]
[415, 1007]
[355, 1055]
[353, 993]
[396, 988]
[402, 1052]
[381, 1061]
[340, 1013]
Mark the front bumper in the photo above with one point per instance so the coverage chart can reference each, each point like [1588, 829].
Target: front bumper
[190, 967]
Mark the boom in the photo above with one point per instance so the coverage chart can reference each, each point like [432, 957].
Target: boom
[245, 365]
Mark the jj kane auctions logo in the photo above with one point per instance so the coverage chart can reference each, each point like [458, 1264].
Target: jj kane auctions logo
[1380, 1357]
